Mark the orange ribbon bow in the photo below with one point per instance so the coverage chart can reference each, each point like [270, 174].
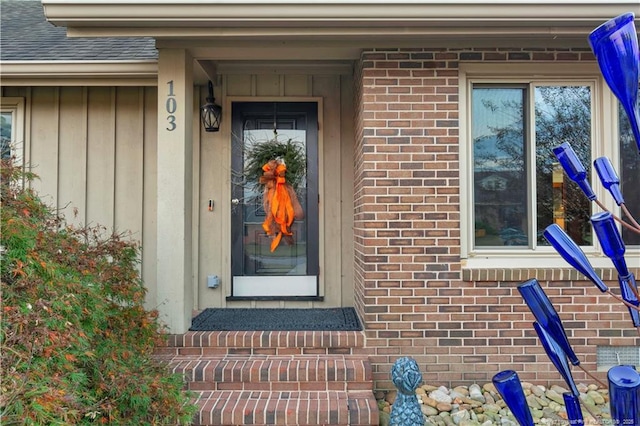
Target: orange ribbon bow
[280, 202]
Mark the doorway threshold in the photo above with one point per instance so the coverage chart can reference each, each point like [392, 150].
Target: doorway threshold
[285, 298]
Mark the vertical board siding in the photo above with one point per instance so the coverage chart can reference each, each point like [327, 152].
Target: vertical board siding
[101, 148]
[129, 160]
[44, 142]
[328, 87]
[238, 85]
[214, 253]
[94, 150]
[150, 191]
[72, 175]
[197, 201]
[297, 85]
[268, 85]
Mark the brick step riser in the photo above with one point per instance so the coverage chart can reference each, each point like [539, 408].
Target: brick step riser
[285, 408]
[281, 386]
[295, 369]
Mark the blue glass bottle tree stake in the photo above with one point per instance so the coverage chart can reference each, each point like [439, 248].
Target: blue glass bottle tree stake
[508, 385]
[615, 45]
[574, 413]
[624, 395]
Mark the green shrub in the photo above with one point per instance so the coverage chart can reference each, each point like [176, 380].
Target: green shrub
[76, 340]
[260, 153]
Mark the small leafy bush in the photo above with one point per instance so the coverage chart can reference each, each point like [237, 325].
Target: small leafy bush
[76, 341]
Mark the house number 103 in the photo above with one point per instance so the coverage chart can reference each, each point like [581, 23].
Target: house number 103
[171, 106]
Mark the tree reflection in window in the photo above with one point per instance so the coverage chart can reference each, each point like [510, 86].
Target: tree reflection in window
[629, 172]
[513, 201]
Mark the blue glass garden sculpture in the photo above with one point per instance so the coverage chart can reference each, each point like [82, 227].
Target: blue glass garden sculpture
[557, 356]
[508, 385]
[406, 377]
[624, 395]
[574, 413]
[613, 247]
[610, 240]
[609, 178]
[546, 316]
[615, 45]
[574, 168]
[573, 254]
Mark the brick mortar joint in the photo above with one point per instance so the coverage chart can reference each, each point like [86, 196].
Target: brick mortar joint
[542, 274]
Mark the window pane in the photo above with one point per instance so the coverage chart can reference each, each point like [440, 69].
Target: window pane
[562, 114]
[499, 166]
[629, 174]
[5, 134]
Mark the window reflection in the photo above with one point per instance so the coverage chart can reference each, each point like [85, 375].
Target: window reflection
[629, 174]
[505, 211]
[562, 114]
[499, 168]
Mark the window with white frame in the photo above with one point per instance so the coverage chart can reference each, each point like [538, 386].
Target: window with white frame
[629, 174]
[514, 186]
[518, 186]
[12, 129]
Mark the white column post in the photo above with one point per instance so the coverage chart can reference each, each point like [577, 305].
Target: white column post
[175, 181]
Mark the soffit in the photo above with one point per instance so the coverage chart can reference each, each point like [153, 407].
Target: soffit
[331, 20]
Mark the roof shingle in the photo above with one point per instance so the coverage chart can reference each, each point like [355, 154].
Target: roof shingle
[25, 35]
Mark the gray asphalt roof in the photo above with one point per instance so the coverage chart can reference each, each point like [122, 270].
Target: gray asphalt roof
[25, 35]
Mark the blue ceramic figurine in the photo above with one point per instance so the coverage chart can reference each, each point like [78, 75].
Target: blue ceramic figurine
[406, 377]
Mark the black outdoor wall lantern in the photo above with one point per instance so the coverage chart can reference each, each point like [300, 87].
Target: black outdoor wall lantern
[210, 113]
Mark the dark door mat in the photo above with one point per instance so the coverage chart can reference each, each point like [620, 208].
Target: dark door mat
[326, 319]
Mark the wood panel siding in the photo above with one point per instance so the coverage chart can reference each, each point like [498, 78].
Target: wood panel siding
[101, 155]
[45, 142]
[93, 149]
[72, 146]
[129, 160]
[149, 191]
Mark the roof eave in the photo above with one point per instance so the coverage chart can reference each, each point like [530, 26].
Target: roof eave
[156, 18]
[47, 73]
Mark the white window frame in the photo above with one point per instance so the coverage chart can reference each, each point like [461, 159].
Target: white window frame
[15, 106]
[604, 130]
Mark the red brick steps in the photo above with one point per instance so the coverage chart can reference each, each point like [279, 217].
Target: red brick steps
[275, 377]
[284, 408]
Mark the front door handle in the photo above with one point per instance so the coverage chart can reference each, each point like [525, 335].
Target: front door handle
[235, 201]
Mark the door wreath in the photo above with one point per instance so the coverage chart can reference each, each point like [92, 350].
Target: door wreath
[279, 168]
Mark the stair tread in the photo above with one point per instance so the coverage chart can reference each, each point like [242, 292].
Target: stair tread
[286, 408]
[263, 356]
[256, 340]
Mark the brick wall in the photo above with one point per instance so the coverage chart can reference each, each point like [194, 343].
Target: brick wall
[411, 290]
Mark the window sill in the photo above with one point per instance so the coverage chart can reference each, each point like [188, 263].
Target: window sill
[544, 267]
